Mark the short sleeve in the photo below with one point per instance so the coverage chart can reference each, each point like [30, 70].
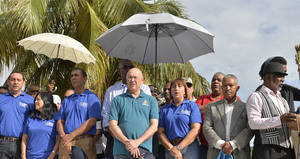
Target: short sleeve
[94, 109]
[161, 123]
[154, 108]
[195, 114]
[25, 127]
[114, 110]
[60, 115]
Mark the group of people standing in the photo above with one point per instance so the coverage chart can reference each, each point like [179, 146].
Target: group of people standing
[136, 126]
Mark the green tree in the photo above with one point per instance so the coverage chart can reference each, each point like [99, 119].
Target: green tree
[83, 20]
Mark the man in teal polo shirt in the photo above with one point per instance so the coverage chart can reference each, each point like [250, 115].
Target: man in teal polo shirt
[133, 120]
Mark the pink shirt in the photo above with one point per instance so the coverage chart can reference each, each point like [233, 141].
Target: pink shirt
[254, 110]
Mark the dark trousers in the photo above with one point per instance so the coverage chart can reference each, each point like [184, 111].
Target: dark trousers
[203, 151]
[155, 145]
[145, 154]
[263, 151]
[10, 149]
[108, 153]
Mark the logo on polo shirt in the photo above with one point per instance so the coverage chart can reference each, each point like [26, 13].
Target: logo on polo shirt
[49, 124]
[145, 103]
[83, 104]
[23, 104]
[186, 112]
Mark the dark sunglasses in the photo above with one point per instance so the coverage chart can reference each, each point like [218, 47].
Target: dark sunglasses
[189, 85]
[34, 91]
[279, 75]
[167, 89]
[127, 67]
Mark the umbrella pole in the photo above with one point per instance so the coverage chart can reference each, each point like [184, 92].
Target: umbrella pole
[156, 32]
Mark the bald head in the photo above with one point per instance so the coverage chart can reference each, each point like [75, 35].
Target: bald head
[134, 79]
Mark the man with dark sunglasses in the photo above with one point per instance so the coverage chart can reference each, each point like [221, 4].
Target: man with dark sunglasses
[33, 90]
[190, 88]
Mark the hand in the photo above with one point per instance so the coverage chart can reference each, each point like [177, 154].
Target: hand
[175, 153]
[227, 148]
[68, 148]
[67, 138]
[135, 153]
[51, 156]
[132, 144]
[288, 117]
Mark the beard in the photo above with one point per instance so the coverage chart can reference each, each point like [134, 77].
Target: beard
[274, 85]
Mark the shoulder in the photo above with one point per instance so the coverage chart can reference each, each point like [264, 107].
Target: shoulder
[114, 87]
[28, 97]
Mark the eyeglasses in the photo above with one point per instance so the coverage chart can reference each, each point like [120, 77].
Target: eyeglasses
[34, 91]
[127, 67]
[279, 75]
[189, 85]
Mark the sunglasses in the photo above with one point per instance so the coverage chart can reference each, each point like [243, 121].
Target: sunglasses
[34, 91]
[189, 85]
[279, 75]
[127, 67]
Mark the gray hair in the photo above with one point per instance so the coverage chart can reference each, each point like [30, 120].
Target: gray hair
[231, 76]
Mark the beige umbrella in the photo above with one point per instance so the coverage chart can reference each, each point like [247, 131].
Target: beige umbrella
[58, 46]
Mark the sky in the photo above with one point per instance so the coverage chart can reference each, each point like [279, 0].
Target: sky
[246, 34]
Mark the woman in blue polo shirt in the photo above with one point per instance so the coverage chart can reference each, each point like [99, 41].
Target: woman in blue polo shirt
[179, 124]
[39, 134]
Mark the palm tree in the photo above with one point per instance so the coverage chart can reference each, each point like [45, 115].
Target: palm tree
[84, 20]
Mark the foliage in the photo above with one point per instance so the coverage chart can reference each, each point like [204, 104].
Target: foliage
[83, 20]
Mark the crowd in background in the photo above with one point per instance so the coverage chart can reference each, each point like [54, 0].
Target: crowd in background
[137, 121]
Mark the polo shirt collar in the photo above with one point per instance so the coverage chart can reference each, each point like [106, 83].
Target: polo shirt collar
[9, 94]
[183, 102]
[86, 92]
[142, 94]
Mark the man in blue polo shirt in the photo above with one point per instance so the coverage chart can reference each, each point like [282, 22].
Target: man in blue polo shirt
[77, 117]
[15, 106]
[133, 120]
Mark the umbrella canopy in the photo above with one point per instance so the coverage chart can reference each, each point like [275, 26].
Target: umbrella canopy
[156, 38]
[58, 46]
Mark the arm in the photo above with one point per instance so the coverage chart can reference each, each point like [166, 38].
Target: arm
[23, 146]
[106, 109]
[117, 132]
[60, 127]
[191, 136]
[85, 127]
[167, 144]
[147, 134]
[55, 149]
[254, 108]
[208, 129]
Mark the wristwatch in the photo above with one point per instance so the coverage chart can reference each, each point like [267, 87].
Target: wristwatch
[178, 147]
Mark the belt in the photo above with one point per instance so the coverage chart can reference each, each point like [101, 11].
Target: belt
[9, 138]
[83, 136]
[176, 141]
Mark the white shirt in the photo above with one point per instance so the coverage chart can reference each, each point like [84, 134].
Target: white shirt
[113, 91]
[228, 112]
[254, 110]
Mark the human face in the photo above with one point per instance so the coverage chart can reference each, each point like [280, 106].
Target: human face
[230, 87]
[134, 79]
[50, 87]
[33, 90]
[15, 83]
[39, 104]
[276, 82]
[178, 91]
[77, 79]
[123, 68]
[284, 68]
[216, 83]
[190, 89]
[167, 91]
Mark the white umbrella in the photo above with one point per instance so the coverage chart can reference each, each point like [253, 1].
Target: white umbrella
[58, 46]
[156, 38]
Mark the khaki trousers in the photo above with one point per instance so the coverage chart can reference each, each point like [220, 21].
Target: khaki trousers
[85, 142]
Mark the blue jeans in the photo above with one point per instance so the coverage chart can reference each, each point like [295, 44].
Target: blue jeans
[77, 153]
[190, 152]
[10, 149]
[203, 151]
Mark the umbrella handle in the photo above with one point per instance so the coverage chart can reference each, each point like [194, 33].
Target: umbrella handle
[147, 24]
